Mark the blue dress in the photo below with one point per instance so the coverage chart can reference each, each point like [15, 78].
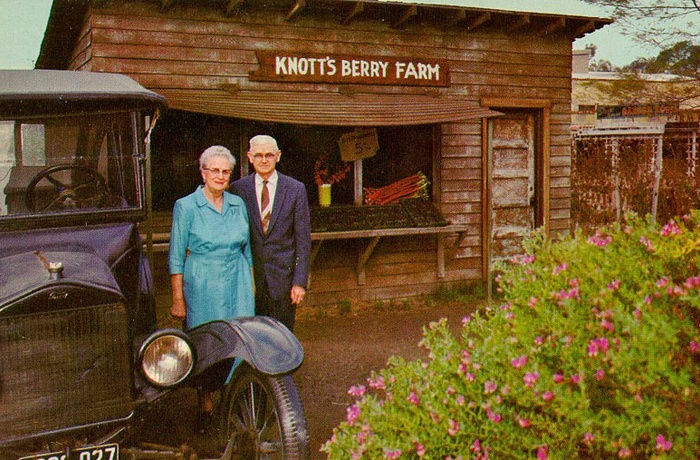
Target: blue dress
[211, 249]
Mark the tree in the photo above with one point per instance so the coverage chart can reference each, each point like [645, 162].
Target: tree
[658, 23]
[683, 58]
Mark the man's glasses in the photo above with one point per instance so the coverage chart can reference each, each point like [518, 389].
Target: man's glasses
[217, 171]
[267, 156]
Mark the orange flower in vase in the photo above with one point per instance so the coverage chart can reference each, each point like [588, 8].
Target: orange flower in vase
[326, 174]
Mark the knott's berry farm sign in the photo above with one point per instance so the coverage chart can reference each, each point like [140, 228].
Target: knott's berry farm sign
[374, 70]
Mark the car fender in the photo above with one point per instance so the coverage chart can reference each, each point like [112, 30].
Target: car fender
[263, 342]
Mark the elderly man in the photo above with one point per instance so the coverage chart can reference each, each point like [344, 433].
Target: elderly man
[280, 232]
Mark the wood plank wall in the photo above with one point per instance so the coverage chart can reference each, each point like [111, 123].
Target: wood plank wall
[202, 48]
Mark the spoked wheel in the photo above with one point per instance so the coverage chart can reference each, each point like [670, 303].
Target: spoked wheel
[263, 417]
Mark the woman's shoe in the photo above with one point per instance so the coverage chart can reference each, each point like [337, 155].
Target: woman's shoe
[204, 421]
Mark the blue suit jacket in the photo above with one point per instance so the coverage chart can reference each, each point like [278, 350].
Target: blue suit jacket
[281, 256]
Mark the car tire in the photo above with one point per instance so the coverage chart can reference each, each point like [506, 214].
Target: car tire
[263, 417]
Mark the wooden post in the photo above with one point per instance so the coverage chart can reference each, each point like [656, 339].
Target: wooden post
[358, 182]
[658, 169]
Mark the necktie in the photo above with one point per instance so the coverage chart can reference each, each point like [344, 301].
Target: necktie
[265, 207]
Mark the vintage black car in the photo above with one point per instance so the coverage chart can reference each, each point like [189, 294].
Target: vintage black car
[80, 354]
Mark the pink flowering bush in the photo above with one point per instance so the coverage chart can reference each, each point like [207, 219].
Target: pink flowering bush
[592, 352]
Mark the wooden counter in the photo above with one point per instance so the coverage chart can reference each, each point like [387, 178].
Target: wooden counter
[374, 236]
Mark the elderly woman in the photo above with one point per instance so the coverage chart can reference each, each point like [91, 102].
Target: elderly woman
[210, 257]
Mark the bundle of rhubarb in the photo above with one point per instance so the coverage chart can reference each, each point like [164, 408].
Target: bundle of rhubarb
[409, 187]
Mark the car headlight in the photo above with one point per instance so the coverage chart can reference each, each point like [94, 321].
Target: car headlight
[167, 358]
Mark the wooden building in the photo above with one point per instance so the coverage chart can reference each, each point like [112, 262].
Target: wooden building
[476, 99]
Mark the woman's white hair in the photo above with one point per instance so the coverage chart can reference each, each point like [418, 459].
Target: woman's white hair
[216, 151]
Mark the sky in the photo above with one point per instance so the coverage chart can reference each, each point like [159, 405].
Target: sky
[23, 22]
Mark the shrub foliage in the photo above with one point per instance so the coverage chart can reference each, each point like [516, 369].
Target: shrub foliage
[592, 353]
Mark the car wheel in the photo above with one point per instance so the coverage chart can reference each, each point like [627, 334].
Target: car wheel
[263, 417]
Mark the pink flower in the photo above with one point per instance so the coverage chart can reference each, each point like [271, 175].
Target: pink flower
[490, 387]
[599, 239]
[519, 362]
[599, 345]
[573, 293]
[357, 391]
[692, 282]
[539, 340]
[466, 320]
[624, 453]
[524, 259]
[670, 229]
[575, 379]
[362, 437]
[607, 325]
[558, 378]
[542, 453]
[614, 285]
[494, 417]
[392, 454]
[600, 374]
[453, 428]
[377, 384]
[476, 446]
[469, 377]
[466, 357]
[413, 398]
[638, 397]
[532, 302]
[523, 422]
[647, 243]
[531, 378]
[693, 346]
[588, 438]
[420, 449]
[353, 413]
[547, 396]
[637, 313]
[560, 268]
[662, 444]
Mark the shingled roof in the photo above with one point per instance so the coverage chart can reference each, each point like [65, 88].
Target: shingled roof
[66, 18]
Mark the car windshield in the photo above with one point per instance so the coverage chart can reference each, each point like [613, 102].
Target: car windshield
[69, 164]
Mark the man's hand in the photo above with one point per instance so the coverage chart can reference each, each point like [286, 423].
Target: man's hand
[298, 293]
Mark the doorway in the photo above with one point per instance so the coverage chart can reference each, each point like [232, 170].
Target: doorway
[515, 180]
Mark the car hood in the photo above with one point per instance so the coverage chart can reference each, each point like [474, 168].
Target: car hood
[28, 272]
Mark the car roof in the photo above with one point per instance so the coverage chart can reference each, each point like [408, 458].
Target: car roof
[73, 86]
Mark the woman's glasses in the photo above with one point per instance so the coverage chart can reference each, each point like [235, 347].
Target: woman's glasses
[218, 172]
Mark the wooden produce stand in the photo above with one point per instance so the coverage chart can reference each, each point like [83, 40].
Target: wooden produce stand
[413, 216]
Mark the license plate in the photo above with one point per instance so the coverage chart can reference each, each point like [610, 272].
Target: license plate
[103, 452]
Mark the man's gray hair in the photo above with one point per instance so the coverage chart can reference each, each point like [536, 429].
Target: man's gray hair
[263, 139]
[216, 151]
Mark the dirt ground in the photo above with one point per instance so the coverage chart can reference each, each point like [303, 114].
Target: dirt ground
[340, 350]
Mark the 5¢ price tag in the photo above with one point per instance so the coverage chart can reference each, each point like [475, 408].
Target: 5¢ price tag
[358, 144]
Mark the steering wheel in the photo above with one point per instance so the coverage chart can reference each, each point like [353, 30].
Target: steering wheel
[89, 191]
